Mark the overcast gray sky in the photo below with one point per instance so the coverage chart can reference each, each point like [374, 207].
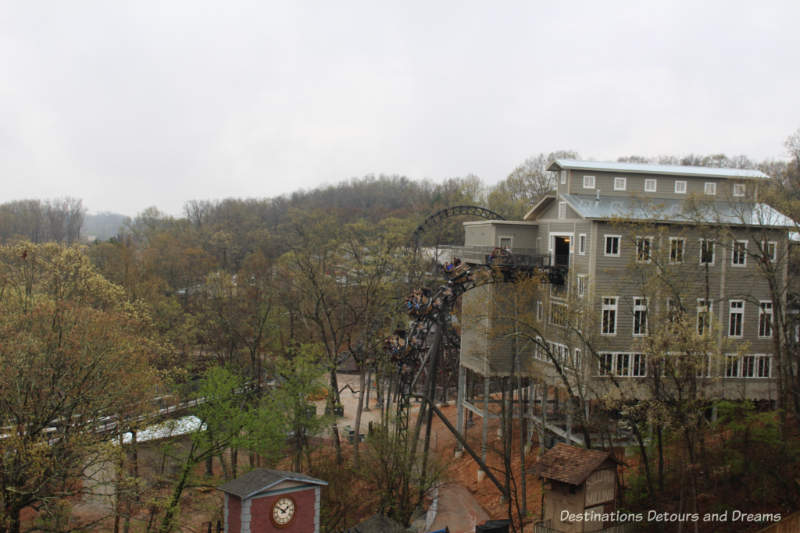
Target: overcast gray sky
[133, 104]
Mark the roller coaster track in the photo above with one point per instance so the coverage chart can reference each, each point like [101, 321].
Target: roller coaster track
[420, 346]
[453, 211]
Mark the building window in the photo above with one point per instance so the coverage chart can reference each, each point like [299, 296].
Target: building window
[539, 350]
[770, 249]
[739, 253]
[704, 366]
[673, 310]
[588, 182]
[677, 246]
[505, 243]
[763, 366]
[623, 364]
[612, 245]
[581, 279]
[639, 317]
[706, 252]
[639, 369]
[736, 318]
[756, 366]
[582, 244]
[738, 189]
[649, 185]
[539, 311]
[644, 246]
[562, 209]
[710, 188]
[765, 319]
[680, 187]
[704, 308]
[563, 177]
[731, 366]
[605, 364]
[609, 315]
[558, 314]
[619, 184]
[577, 362]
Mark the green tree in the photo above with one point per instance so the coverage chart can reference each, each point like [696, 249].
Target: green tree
[74, 353]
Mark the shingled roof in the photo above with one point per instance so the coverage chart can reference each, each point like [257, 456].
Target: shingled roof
[570, 464]
[262, 479]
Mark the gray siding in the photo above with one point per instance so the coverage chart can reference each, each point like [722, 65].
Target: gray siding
[665, 185]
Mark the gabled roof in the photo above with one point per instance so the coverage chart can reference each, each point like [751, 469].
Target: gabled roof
[570, 464]
[677, 210]
[644, 168]
[540, 206]
[262, 479]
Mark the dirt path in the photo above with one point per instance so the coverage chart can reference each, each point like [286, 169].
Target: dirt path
[458, 510]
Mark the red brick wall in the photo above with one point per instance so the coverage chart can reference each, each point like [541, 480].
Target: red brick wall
[234, 514]
[261, 509]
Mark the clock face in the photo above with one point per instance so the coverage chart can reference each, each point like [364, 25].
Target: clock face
[283, 511]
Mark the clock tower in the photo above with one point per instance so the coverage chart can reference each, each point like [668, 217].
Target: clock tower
[272, 501]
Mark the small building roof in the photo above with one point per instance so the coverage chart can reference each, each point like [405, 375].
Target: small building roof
[262, 479]
[647, 168]
[570, 464]
[677, 210]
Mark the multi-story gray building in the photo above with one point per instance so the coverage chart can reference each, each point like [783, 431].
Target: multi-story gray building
[639, 244]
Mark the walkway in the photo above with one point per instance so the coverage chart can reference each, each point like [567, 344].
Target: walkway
[458, 510]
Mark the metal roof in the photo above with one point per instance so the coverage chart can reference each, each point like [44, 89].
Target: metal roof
[644, 168]
[677, 210]
[262, 479]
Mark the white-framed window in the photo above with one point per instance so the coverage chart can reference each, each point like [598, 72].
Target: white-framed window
[639, 316]
[608, 324]
[765, 318]
[644, 248]
[605, 364]
[620, 184]
[770, 249]
[506, 242]
[736, 318]
[581, 282]
[588, 182]
[539, 350]
[612, 243]
[706, 252]
[562, 209]
[680, 187]
[677, 246]
[623, 364]
[739, 189]
[650, 185]
[763, 366]
[704, 310]
[582, 244]
[672, 310]
[577, 360]
[739, 253]
[639, 368]
[704, 366]
[732, 366]
[710, 188]
[558, 314]
[563, 177]
[756, 366]
[539, 310]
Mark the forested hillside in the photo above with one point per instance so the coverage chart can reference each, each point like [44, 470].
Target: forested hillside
[233, 299]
